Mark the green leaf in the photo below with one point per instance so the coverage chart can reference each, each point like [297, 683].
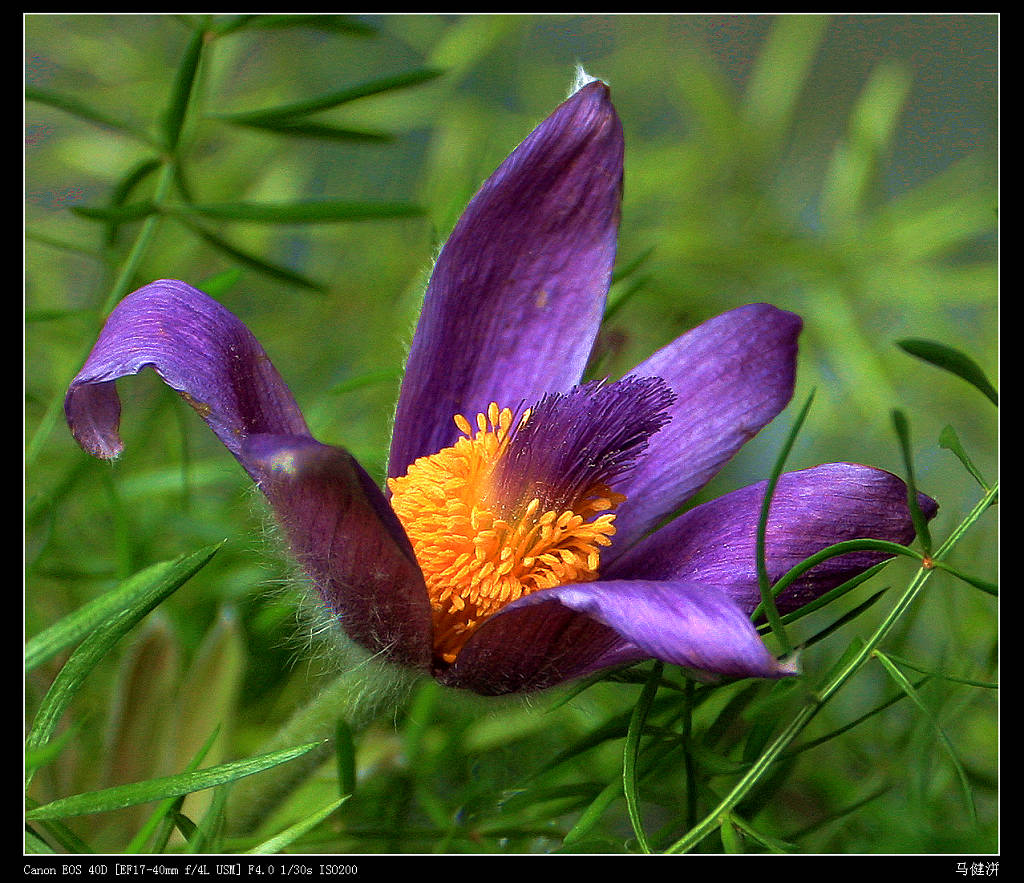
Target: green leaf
[288, 112]
[147, 589]
[173, 117]
[120, 796]
[274, 271]
[82, 111]
[952, 360]
[908, 688]
[290, 835]
[341, 24]
[763, 580]
[899, 420]
[316, 130]
[949, 440]
[171, 805]
[631, 752]
[158, 580]
[319, 212]
[116, 214]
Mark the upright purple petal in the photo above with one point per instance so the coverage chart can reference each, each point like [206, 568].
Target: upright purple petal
[201, 350]
[516, 298]
[714, 543]
[346, 538]
[731, 376]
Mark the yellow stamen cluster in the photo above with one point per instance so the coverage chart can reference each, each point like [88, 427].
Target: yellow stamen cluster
[478, 553]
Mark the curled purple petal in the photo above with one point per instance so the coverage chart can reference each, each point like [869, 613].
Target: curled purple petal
[516, 298]
[731, 376]
[346, 538]
[201, 350]
[714, 543]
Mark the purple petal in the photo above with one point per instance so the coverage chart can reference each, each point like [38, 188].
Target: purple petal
[346, 538]
[539, 639]
[529, 648]
[516, 298]
[579, 441]
[200, 350]
[714, 543]
[731, 376]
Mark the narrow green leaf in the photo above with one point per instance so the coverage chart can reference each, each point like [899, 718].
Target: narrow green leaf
[345, 755]
[173, 117]
[171, 804]
[831, 595]
[37, 757]
[334, 99]
[763, 580]
[970, 682]
[316, 130]
[151, 587]
[120, 796]
[116, 214]
[949, 440]
[731, 841]
[834, 551]
[952, 360]
[274, 271]
[916, 515]
[844, 619]
[631, 752]
[328, 211]
[772, 844]
[592, 814]
[341, 24]
[82, 111]
[158, 579]
[987, 587]
[780, 72]
[908, 688]
[275, 844]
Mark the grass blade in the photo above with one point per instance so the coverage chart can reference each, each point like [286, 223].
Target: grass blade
[291, 834]
[908, 688]
[319, 212]
[149, 588]
[165, 576]
[120, 796]
[951, 360]
[334, 99]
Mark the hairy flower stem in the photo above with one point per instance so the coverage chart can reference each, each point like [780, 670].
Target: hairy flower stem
[357, 696]
[818, 699]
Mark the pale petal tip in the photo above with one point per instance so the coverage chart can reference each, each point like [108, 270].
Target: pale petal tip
[581, 78]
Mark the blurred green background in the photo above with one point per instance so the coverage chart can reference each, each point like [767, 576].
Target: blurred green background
[844, 168]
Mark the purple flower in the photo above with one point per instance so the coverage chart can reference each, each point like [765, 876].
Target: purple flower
[519, 540]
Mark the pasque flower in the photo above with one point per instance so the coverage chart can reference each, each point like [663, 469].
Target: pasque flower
[520, 540]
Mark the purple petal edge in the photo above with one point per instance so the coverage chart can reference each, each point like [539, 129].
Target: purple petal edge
[516, 298]
[731, 376]
[570, 631]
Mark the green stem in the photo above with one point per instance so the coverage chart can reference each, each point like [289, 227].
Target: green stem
[356, 696]
[809, 710]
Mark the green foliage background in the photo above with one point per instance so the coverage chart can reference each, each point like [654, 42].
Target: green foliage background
[844, 168]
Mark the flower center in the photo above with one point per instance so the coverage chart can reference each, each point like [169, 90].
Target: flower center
[480, 551]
